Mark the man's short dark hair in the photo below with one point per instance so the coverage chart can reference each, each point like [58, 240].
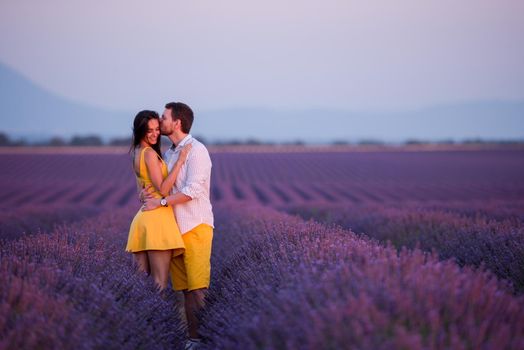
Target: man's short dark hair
[181, 111]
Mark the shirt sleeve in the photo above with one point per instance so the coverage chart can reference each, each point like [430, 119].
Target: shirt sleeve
[198, 172]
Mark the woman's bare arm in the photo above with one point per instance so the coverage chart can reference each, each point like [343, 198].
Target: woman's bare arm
[154, 169]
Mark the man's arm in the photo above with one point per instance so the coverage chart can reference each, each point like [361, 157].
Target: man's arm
[198, 172]
[146, 193]
[172, 199]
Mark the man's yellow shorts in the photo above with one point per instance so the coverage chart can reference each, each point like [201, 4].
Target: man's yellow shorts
[192, 270]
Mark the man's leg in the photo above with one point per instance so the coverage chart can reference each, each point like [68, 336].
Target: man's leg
[191, 273]
[194, 301]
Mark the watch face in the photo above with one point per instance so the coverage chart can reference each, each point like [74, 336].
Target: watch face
[163, 202]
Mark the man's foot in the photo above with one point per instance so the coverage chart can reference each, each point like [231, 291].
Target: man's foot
[193, 344]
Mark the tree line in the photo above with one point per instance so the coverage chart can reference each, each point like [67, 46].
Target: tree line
[57, 141]
[95, 140]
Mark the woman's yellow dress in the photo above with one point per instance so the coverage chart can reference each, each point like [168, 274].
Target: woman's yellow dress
[154, 229]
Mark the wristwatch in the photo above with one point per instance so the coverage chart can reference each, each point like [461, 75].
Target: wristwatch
[163, 202]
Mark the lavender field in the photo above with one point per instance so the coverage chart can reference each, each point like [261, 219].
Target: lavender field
[312, 250]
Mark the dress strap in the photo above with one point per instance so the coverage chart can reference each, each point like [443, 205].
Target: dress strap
[144, 149]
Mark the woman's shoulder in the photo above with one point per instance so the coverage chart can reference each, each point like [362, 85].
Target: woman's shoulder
[141, 149]
[150, 154]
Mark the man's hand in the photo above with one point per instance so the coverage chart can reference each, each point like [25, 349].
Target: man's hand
[151, 203]
[146, 193]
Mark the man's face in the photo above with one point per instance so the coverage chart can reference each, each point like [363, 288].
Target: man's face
[167, 126]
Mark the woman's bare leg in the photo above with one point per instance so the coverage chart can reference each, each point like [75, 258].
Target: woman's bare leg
[159, 261]
[142, 262]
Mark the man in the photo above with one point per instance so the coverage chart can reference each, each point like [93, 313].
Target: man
[191, 271]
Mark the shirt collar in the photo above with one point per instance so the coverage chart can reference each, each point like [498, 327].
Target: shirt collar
[182, 143]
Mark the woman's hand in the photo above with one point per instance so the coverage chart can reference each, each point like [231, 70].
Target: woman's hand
[151, 204]
[184, 153]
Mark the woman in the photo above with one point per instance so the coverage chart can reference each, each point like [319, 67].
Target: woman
[154, 237]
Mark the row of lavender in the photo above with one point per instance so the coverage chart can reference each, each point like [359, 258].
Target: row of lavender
[282, 283]
[278, 282]
[477, 234]
[32, 219]
[75, 288]
[363, 178]
[275, 179]
[275, 277]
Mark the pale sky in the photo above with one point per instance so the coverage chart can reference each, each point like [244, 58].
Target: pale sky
[373, 55]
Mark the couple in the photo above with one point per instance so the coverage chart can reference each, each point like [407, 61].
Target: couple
[171, 234]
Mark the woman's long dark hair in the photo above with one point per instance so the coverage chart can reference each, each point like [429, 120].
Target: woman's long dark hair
[140, 129]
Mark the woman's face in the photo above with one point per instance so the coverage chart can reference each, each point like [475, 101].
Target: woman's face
[153, 132]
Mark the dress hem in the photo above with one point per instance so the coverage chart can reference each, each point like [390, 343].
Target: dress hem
[146, 249]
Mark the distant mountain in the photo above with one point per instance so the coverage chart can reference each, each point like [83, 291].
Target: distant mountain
[30, 111]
